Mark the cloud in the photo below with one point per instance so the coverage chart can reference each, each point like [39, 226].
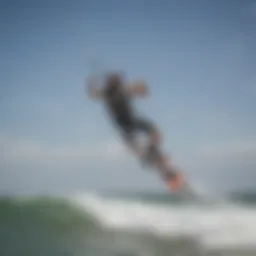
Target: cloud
[32, 151]
[221, 162]
[28, 161]
[20, 151]
[222, 151]
[226, 165]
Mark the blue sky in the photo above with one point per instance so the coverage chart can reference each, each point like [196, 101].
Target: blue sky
[198, 58]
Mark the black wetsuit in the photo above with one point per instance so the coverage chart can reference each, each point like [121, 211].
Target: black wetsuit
[118, 103]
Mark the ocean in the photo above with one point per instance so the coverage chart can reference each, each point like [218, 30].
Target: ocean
[127, 224]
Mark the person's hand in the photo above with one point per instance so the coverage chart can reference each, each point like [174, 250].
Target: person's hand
[139, 88]
[92, 88]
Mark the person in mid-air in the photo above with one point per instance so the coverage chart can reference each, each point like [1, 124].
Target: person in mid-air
[117, 96]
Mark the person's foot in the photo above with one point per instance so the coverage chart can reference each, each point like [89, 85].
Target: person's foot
[175, 181]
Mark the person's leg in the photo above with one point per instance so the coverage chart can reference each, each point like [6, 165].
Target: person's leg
[154, 138]
[152, 154]
[128, 136]
[129, 129]
[133, 144]
[154, 135]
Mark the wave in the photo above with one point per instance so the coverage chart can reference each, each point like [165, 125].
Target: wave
[212, 225]
[59, 213]
[91, 217]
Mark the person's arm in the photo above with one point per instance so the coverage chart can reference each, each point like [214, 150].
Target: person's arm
[93, 89]
[138, 88]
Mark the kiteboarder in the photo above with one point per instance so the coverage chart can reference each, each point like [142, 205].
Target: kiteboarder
[117, 95]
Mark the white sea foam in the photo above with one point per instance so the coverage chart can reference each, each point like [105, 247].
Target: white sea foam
[216, 226]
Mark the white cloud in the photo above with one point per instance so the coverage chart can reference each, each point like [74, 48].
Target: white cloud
[212, 162]
[220, 160]
[31, 151]
[232, 152]
[32, 166]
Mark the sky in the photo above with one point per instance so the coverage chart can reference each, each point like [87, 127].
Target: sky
[198, 58]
